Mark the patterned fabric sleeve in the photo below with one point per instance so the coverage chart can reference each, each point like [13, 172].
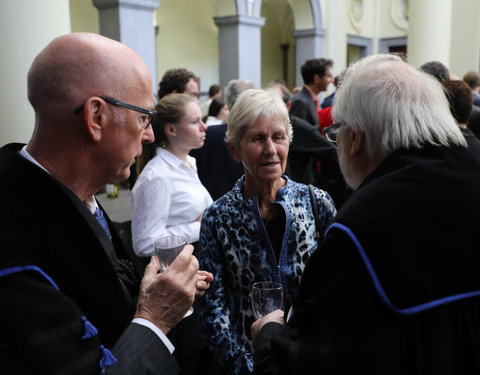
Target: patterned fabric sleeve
[224, 341]
[326, 208]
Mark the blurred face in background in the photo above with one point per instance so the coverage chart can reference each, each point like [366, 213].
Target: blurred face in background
[223, 114]
[190, 131]
[192, 88]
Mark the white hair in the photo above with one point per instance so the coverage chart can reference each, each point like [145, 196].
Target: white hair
[234, 88]
[395, 105]
[252, 104]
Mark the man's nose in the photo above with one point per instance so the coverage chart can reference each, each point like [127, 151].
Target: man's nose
[148, 136]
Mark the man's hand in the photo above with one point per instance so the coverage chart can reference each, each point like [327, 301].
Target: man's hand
[165, 297]
[275, 316]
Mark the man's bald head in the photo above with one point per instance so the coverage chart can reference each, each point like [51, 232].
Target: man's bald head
[76, 66]
[101, 141]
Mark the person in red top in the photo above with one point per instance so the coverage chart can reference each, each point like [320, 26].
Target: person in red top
[324, 114]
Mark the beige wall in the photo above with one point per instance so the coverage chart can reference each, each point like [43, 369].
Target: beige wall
[277, 30]
[303, 13]
[188, 39]
[391, 20]
[361, 17]
[27, 26]
[335, 16]
[465, 41]
[84, 16]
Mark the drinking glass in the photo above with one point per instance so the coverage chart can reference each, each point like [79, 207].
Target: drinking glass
[267, 296]
[166, 250]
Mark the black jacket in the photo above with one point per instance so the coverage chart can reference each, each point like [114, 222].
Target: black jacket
[312, 159]
[43, 224]
[381, 305]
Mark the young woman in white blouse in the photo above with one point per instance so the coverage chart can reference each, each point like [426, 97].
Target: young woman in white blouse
[168, 197]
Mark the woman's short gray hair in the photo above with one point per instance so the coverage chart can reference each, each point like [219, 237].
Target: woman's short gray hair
[252, 104]
[395, 105]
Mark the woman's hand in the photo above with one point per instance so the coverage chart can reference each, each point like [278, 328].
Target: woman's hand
[203, 283]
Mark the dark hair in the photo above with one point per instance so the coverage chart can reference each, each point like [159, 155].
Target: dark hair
[215, 106]
[460, 98]
[436, 69]
[315, 66]
[472, 78]
[169, 110]
[213, 90]
[175, 80]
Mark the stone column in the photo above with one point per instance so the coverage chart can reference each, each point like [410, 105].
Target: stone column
[429, 31]
[131, 22]
[309, 45]
[239, 48]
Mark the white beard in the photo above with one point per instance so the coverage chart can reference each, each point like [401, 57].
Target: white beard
[352, 175]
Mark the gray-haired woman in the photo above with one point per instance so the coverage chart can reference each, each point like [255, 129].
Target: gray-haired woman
[262, 230]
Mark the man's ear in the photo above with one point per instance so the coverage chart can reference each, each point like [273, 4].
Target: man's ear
[358, 138]
[234, 152]
[95, 117]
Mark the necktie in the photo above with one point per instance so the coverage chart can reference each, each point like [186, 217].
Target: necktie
[103, 222]
[125, 268]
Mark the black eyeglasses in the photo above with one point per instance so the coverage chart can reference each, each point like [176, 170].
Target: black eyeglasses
[146, 120]
[331, 132]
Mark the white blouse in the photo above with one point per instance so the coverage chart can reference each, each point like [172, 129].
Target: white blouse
[167, 199]
[212, 120]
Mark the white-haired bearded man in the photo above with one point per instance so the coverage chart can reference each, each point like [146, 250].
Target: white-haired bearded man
[393, 287]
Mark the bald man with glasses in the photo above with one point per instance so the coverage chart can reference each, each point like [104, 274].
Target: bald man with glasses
[68, 289]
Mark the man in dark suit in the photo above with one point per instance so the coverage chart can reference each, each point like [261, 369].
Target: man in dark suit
[68, 288]
[393, 287]
[317, 75]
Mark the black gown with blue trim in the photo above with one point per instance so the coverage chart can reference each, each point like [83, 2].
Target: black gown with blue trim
[393, 288]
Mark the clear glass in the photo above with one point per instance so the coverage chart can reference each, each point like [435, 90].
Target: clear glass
[166, 250]
[267, 296]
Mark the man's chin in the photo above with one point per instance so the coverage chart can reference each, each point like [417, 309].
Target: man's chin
[123, 175]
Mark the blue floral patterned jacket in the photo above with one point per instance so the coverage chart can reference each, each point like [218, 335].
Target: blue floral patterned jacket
[235, 247]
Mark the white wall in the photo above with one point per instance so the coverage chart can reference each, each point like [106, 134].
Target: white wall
[26, 26]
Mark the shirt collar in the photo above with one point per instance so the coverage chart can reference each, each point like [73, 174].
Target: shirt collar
[174, 161]
[314, 96]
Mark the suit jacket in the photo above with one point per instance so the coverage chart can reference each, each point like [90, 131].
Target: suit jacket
[476, 99]
[398, 291]
[472, 141]
[303, 106]
[474, 121]
[328, 101]
[313, 160]
[217, 169]
[45, 225]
